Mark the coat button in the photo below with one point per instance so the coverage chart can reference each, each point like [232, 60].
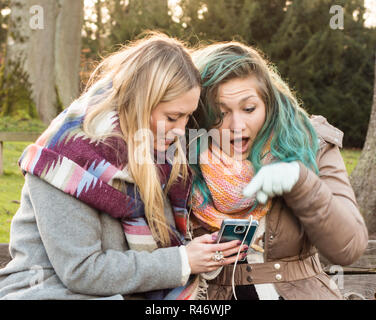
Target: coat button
[271, 237]
[249, 279]
[278, 277]
[277, 266]
[249, 268]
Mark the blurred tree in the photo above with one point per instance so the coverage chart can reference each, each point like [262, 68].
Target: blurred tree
[99, 25]
[252, 21]
[67, 50]
[4, 4]
[130, 18]
[329, 69]
[117, 21]
[211, 19]
[363, 178]
[44, 45]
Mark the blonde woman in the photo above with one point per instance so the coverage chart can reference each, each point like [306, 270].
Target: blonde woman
[99, 216]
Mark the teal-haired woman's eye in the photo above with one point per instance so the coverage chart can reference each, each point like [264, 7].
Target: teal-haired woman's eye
[224, 113]
[250, 109]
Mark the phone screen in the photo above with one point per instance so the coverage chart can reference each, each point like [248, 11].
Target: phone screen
[236, 230]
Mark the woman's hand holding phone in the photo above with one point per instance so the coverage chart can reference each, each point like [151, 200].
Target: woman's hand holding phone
[201, 251]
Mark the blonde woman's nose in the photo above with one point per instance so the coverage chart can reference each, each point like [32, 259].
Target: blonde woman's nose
[178, 131]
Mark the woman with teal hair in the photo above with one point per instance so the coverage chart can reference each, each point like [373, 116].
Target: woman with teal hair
[259, 154]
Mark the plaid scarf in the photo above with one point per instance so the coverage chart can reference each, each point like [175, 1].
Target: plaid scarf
[225, 178]
[68, 159]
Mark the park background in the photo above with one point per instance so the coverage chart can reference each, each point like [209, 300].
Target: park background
[331, 70]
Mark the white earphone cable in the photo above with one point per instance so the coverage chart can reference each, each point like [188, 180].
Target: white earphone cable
[236, 261]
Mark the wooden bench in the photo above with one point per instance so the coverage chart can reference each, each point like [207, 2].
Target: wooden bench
[14, 136]
[357, 281]
[4, 255]
[359, 278]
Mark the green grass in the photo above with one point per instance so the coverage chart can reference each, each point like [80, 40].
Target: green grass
[12, 181]
[350, 156]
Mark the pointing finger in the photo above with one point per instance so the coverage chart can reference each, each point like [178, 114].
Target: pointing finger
[254, 186]
[261, 197]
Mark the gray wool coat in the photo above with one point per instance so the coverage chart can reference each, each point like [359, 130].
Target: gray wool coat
[63, 249]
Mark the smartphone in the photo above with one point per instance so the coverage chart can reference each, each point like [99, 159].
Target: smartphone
[236, 229]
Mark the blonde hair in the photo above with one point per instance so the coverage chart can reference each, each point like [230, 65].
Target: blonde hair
[144, 73]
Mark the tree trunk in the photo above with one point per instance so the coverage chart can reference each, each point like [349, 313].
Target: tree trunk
[363, 178]
[99, 24]
[50, 54]
[68, 49]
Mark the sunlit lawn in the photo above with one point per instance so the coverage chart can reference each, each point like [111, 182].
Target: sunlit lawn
[350, 156]
[12, 181]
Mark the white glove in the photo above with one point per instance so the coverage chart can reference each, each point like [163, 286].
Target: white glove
[273, 179]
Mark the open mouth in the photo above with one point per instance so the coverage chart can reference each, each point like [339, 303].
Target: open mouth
[240, 145]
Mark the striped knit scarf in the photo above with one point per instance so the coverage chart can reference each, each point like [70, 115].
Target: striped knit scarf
[68, 159]
[225, 178]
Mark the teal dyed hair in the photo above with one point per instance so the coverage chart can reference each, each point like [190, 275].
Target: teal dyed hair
[294, 138]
